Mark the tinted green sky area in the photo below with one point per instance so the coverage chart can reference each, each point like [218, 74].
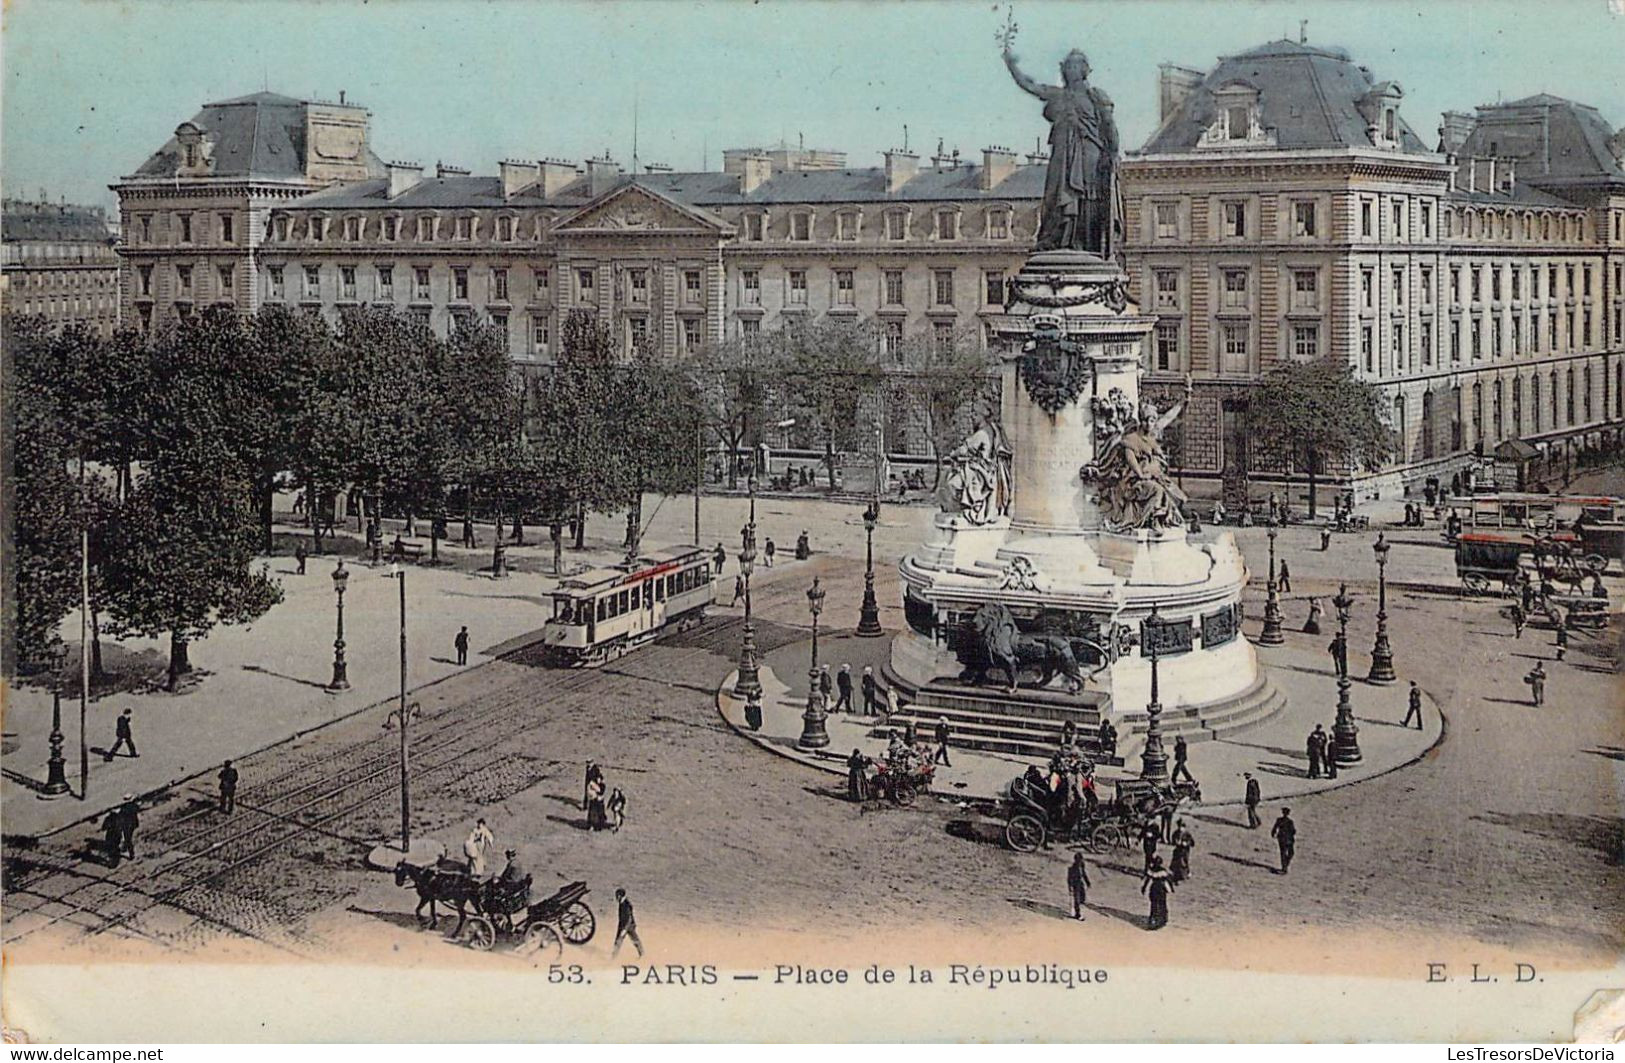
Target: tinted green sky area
[92, 86]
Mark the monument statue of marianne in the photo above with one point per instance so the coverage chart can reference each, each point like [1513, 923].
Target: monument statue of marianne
[1082, 208]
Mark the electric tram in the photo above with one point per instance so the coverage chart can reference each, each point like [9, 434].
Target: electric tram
[600, 614]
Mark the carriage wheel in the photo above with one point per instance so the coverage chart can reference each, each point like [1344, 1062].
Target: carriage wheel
[541, 943]
[1106, 837]
[577, 924]
[1024, 833]
[1594, 564]
[1476, 583]
[903, 793]
[480, 934]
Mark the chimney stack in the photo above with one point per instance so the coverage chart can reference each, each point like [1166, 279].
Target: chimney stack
[1490, 186]
[602, 175]
[754, 171]
[403, 176]
[555, 175]
[517, 176]
[997, 164]
[1174, 86]
[901, 166]
[1512, 175]
[442, 170]
[1472, 173]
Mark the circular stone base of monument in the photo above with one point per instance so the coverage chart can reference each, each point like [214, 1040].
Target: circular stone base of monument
[423, 853]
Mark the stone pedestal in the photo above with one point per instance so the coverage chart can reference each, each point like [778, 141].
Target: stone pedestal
[1068, 337]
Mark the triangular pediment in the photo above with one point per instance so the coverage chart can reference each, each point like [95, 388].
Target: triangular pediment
[632, 208]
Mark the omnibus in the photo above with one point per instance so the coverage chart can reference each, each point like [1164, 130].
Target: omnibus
[600, 614]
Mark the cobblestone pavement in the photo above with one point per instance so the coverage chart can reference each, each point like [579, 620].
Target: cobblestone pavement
[1507, 834]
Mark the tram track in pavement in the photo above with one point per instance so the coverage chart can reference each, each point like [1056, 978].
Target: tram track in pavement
[293, 805]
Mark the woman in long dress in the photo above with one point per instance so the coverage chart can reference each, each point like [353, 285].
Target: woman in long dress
[1157, 883]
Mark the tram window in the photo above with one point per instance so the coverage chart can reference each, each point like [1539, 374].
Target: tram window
[624, 601]
[603, 608]
[660, 590]
[648, 593]
[669, 585]
[705, 572]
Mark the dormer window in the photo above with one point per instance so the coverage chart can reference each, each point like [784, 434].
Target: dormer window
[352, 230]
[897, 225]
[391, 229]
[846, 225]
[465, 228]
[426, 228]
[282, 225]
[1236, 119]
[755, 226]
[998, 224]
[318, 229]
[504, 228]
[801, 225]
[947, 225]
[1390, 131]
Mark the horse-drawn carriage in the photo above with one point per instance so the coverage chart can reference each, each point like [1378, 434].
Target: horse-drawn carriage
[1037, 813]
[501, 908]
[901, 779]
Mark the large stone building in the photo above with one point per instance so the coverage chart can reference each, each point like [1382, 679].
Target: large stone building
[1285, 210]
[59, 264]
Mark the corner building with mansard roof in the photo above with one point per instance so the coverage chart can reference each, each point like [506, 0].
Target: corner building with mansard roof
[1285, 210]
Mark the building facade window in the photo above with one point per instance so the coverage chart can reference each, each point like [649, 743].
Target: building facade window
[1235, 347]
[1235, 220]
[183, 228]
[691, 334]
[1167, 289]
[541, 335]
[797, 295]
[313, 282]
[1368, 289]
[347, 288]
[943, 287]
[637, 287]
[1306, 342]
[993, 282]
[144, 280]
[750, 281]
[505, 228]
[386, 283]
[1167, 347]
[891, 336]
[1424, 339]
[420, 284]
[894, 287]
[1368, 349]
[499, 285]
[464, 228]
[1367, 218]
[586, 285]
[691, 286]
[459, 283]
[227, 229]
[1303, 218]
[1235, 289]
[1167, 218]
[845, 288]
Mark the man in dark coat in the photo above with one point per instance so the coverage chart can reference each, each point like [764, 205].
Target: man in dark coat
[1328, 759]
[1285, 833]
[843, 683]
[1077, 883]
[129, 818]
[1181, 753]
[1415, 710]
[1254, 796]
[594, 772]
[110, 836]
[1284, 581]
[300, 556]
[857, 777]
[461, 644]
[941, 755]
[626, 924]
[121, 731]
[826, 684]
[1108, 739]
[870, 705]
[739, 590]
[1150, 835]
[228, 788]
[719, 557]
[1183, 842]
[768, 551]
[1314, 746]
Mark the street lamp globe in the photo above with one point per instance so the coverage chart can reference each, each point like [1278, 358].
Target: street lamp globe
[815, 598]
[814, 734]
[341, 577]
[871, 517]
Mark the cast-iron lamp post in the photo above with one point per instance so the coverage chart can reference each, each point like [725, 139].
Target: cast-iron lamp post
[1271, 635]
[813, 734]
[1153, 761]
[1345, 735]
[56, 768]
[749, 683]
[1382, 655]
[341, 670]
[869, 613]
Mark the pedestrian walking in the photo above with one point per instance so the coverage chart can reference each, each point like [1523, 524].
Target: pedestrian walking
[479, 842]
[129, 818]
[110, 836]
[1415, 710]
[228, 788]
[1181, 753]
[1108, 739]
[1518, 620]
[1285, 580]
[1252, 800]
[1311, 626]
[719, 557]
[1077, 884]
[626, 924]
[597, 814]
[768, 551]
[1537, 684]
[892, 707]
[616, 807]
[1562, 639]
[1327, 760]
[803, 547]
[826, 684]
[1150, 835]
[941, 756]
[1285, 833]
[1183, 842]
[1156, 882]
[299, 556]
[121, 731]
[461, 642]
[594, 774]
[857, 777]
[843, 683]
[1325, 539]
[1315, 746]
[868, 687]
[739, 590]
[298, 503]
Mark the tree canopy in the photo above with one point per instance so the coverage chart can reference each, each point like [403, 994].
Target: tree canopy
[1322, 416]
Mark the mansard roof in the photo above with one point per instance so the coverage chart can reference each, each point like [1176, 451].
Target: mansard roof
[53, 223]
[261, 135]
[1555, 141]
[1307, 97]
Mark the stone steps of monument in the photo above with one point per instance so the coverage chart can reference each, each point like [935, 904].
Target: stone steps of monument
[1253, 707]
[993, 733]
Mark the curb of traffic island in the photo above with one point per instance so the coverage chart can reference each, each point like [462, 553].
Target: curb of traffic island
[732, 710]
[424, 852]
[1444, 729]
[172, 784]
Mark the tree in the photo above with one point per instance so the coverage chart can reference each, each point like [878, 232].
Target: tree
[1320, 414]
[42, 498]
[832, 366]
[945, 382]
[739, 382]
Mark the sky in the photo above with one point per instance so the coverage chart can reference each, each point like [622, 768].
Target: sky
[91, 87]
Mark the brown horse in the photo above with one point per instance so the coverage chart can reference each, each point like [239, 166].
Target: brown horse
[452, 888]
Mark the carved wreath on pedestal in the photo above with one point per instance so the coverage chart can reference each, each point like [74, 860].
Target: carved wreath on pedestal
[1113, 293]
[1053, 368]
